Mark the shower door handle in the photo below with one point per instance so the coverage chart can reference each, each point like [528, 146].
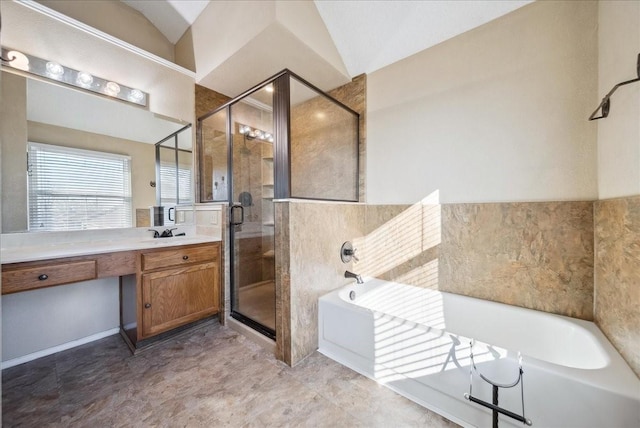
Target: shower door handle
[233, 216]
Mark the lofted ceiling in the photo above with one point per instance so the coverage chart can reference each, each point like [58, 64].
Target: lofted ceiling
[171, 17]
[326, 41]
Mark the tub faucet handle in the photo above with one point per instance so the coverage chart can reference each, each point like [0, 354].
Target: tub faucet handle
[347, 252]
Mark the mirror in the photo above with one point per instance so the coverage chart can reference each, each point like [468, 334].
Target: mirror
[37, 111]
[174, 172]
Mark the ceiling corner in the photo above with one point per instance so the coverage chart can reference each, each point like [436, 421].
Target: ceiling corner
[303, 20]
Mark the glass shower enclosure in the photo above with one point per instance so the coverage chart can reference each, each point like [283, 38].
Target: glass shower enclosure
[283, 139]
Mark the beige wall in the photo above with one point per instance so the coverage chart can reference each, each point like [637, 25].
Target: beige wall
[13, 134]
[119, 20]
[184, 51]
[495, 114]
[619, 133]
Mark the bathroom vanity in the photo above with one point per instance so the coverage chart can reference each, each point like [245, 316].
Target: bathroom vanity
[165, 284]
[173, 287]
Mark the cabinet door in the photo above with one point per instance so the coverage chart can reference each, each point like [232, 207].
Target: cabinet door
[173, 297]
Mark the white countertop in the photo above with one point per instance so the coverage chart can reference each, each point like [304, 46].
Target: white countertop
[16, 251]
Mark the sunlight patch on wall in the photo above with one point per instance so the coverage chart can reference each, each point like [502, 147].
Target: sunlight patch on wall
[399, 245]
[425, 276]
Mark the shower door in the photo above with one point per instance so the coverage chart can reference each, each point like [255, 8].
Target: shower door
[252, 215]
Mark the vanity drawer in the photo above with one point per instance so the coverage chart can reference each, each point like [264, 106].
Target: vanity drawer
[21, 278]
[179, 256]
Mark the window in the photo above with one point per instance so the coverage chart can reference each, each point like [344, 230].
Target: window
[168, 194]
[73, 189]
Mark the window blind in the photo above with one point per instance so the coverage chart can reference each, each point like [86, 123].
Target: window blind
[74, 189]
[168, 185]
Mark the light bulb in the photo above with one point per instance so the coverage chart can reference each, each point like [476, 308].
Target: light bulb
[112, 89]
[84, 79]
[136, 95]
[269, 88]
[54, 70]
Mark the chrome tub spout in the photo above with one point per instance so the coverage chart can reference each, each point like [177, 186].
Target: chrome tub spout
[358, 278]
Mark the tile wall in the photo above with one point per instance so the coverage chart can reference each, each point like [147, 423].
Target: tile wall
[536, 255]
[354, 96]
[309, 266]
[617, 275]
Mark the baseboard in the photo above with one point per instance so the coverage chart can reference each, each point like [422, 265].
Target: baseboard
[58, 348]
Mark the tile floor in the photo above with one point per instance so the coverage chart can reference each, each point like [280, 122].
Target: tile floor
[207, 377]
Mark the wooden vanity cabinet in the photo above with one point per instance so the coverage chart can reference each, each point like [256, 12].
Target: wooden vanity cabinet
[161, 289]
[177, 286]
[25, 276]
[32, 276]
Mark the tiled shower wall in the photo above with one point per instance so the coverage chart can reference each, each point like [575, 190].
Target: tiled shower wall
[354, 96]
[617, 275]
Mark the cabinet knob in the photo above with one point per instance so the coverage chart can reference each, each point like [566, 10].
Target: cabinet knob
[43, 277]
[185, 257]
[147, 305]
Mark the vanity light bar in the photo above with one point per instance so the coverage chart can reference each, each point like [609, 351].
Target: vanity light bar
[252, 133]
[79, 79]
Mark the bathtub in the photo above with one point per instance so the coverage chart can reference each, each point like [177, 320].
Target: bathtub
[417, 342]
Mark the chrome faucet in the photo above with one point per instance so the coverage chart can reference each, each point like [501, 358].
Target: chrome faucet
[358, 278]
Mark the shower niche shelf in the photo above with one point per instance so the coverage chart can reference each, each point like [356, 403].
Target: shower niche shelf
[269, 254]
[267, 205]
